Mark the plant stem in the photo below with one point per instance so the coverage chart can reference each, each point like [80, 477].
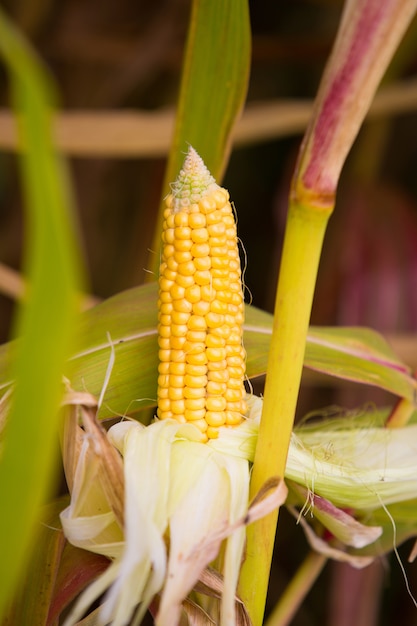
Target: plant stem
[298, 588]
[306, 225]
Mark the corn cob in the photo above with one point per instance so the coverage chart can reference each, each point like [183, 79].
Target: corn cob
[201, 309]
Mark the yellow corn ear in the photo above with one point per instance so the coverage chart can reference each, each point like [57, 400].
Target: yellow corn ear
[201, 308]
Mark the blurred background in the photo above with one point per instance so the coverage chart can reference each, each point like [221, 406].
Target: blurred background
[111, 59]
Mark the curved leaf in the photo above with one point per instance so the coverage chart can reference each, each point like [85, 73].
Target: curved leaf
[46, 320]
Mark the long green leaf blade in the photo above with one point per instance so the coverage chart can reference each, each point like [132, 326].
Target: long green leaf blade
[45, 323]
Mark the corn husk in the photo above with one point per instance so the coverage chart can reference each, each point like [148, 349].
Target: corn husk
[182, 500]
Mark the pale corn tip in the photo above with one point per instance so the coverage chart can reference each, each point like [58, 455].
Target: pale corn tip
[193, 182]
[201, 308]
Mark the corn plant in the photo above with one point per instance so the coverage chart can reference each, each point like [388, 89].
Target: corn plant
[176, 516]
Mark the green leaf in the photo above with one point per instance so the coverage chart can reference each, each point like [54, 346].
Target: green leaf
[361, 355]
[45, 322]
[213, 89]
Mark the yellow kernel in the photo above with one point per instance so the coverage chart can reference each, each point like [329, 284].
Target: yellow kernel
[220, 263]
[184, 281]
[193, 293]
[164, 343]
[214, 341]
[218, 250]
[200, 250]
[165, 297]
[202, 263]
[179, 317]
[215, 366]
[201, 308]
[164, 330]
[215, 403]
[233, 350]
[171, 262]
[182, 256]
[212, 433]
[182, 305]
[197, 322]
[191, 347]
[219, 242]
[207, 204]
[214, 217]
[236, 372]
[169, 275]
[216, 389]
[196, 370]
[196, 336]
[202, 277]
[195, 404]
[218, 376]
[175, 393]
[169, 200]
[168, 235]
[182, 232]
[233, 418]
[181, 218]
[177, 292]
[230, 320]
[170, 220]
[219, 228]
[221, 285]
[216, 354]
[222, 292]
[196, 220]
[215, 418]
[164, 404]
[177, 368]
[235, 338]
[233, 395]
[195, 381]
[179, 330]
[165, 284]
[178, 356]
[164, 415]
[187, 268]
[165, 308]
[214, 320]
[220, 196]
[163, 380]
[178, 407]
[236, 298]
[176, 381]
[163, 393]
[221, 331]
[164, 355]
[197, 359]
[235, 383]
[194, 392]
[163, 368]
[235, 406]
[168, 251]
[234, 361]
[199, 235]
[219, 307]
[165, 320]
[177, 343]
[208, 293]
[197, 414]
